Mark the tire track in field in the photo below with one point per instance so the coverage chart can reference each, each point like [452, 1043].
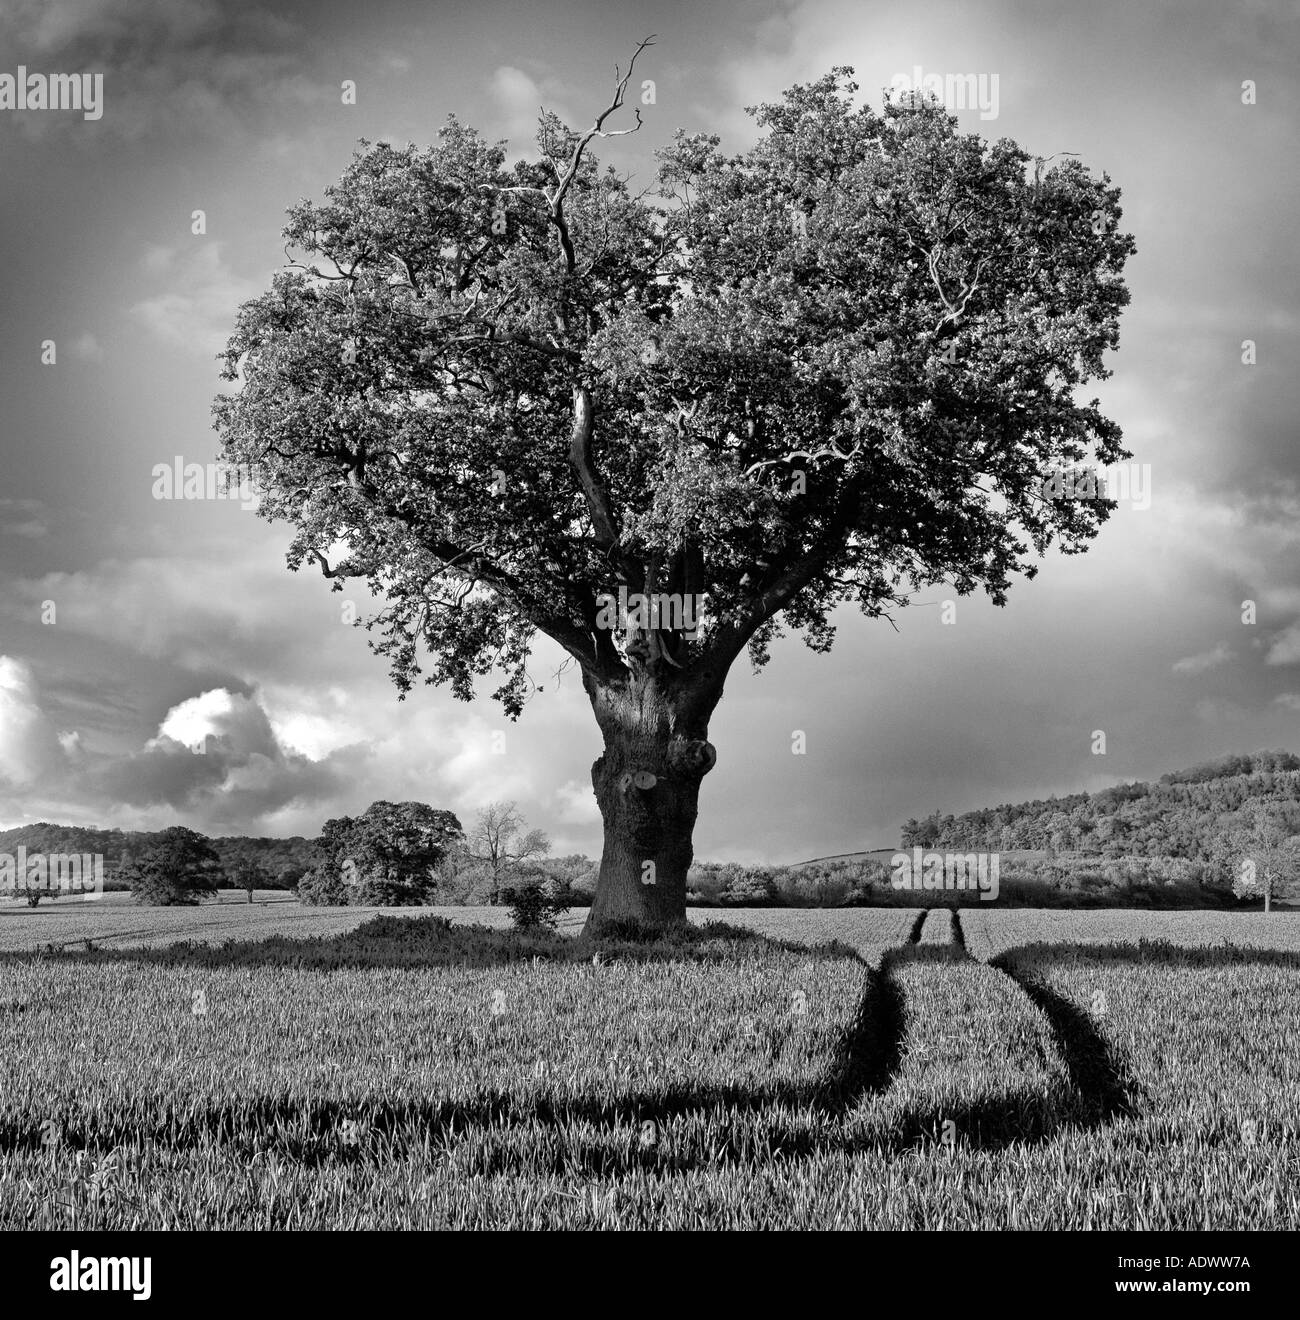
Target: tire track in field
[872, 1050]
[1097, 1075]
[1097, 1071]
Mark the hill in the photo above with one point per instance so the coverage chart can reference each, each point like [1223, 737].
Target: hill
[1187, 814]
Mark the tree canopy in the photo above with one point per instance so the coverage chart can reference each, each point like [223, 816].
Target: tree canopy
[181, 867]
[387, 855]
[836, 366]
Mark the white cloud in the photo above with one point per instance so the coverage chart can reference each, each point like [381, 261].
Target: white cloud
[197, 313]
[237, 723]
[1205, 660]
[314, 734]
[1285, 648]
[576, 804]
[520, 99]
[30, 748]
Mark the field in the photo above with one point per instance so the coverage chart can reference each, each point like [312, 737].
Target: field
[991, 932]
[793, 1068]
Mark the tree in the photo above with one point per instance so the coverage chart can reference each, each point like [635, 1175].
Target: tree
[386, 856]
[837, 368]
[323, 886]
[249, 874]
[290, 875]
[1267, 856]
[500, 846]
[181, 867]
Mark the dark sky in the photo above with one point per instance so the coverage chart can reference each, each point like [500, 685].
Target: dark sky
[175, 620]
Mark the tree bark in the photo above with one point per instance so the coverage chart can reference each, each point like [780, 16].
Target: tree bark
[647, 785]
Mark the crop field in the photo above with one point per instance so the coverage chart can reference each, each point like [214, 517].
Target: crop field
[821, 1069]
[115, 920]
[989, 932]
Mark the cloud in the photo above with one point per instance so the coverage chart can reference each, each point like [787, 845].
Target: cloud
[217, 758]
[316, 723]
[86, 348]
[520, 99]
[243, 775]
[1285, 648]
[26, 518]
[197, 313]
[235, 722]
[576, 804]
[1198, 664]
[199, 614]
[297, 720]
[215, 67]
[50, 26]
[30, 748]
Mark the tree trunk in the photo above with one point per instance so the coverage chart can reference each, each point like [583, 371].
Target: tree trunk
[647, 786]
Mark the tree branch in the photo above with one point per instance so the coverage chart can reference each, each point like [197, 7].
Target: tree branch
[562, 187]
[602, 517]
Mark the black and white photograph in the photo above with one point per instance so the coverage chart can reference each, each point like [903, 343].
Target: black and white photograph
[649, 617]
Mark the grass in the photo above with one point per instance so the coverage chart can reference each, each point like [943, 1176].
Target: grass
[415, 1073]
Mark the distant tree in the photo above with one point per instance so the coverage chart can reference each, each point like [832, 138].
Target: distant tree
[1268, 857]
[562, 872]
[500, 845]
[249, 874]
[290, 875]
[387, 856]
[181, 867]
[323, 886]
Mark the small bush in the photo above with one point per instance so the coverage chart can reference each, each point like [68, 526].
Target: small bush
[532, 907]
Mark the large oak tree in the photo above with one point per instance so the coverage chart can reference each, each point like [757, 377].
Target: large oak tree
[837, 368]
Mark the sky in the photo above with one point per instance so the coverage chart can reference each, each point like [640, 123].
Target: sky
[132, 628]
